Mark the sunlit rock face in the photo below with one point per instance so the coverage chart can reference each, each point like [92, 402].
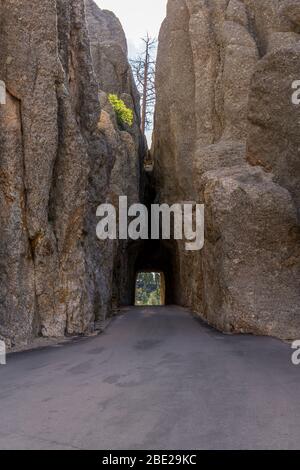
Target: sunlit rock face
[61, 155]
[226, 134]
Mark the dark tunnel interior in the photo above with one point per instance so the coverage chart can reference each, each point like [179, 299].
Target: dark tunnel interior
[150, 255]
[156, 256]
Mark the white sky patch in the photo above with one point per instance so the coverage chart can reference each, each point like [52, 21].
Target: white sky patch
[137, 17]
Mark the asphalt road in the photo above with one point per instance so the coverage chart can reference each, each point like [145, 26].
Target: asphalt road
[156, 379]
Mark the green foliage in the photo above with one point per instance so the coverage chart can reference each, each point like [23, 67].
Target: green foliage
[124, 115]
[154, 298]
[148, 287]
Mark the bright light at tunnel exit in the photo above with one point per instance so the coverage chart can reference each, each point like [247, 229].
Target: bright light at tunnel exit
[150, 289]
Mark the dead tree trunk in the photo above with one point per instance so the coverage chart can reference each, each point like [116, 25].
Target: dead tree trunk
[143, 68]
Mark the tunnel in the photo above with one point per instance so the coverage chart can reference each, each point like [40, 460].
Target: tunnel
[137, 256]
[148, 255]
[155, 256]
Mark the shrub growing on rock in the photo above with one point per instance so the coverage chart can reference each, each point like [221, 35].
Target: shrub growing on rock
[124, 115]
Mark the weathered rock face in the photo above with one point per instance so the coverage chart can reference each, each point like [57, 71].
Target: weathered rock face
[58, 151]
[109, 52]
[114, 75]
[226, 134]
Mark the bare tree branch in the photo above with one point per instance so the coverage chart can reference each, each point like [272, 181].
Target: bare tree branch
[143, 67]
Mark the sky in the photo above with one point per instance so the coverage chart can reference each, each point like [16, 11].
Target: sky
[137, 17]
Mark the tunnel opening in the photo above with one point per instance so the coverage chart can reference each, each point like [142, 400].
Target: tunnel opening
[150, 288]
[154, 256]
[149, 256]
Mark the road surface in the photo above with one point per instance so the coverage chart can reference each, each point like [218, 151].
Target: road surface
[156, 379]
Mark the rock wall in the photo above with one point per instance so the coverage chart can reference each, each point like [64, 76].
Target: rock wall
[61, 155]
[227, 134]
[114, 75]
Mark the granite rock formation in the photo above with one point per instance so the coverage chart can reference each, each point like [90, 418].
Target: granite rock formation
[114, 75]
[61, 155]
[227, 135]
